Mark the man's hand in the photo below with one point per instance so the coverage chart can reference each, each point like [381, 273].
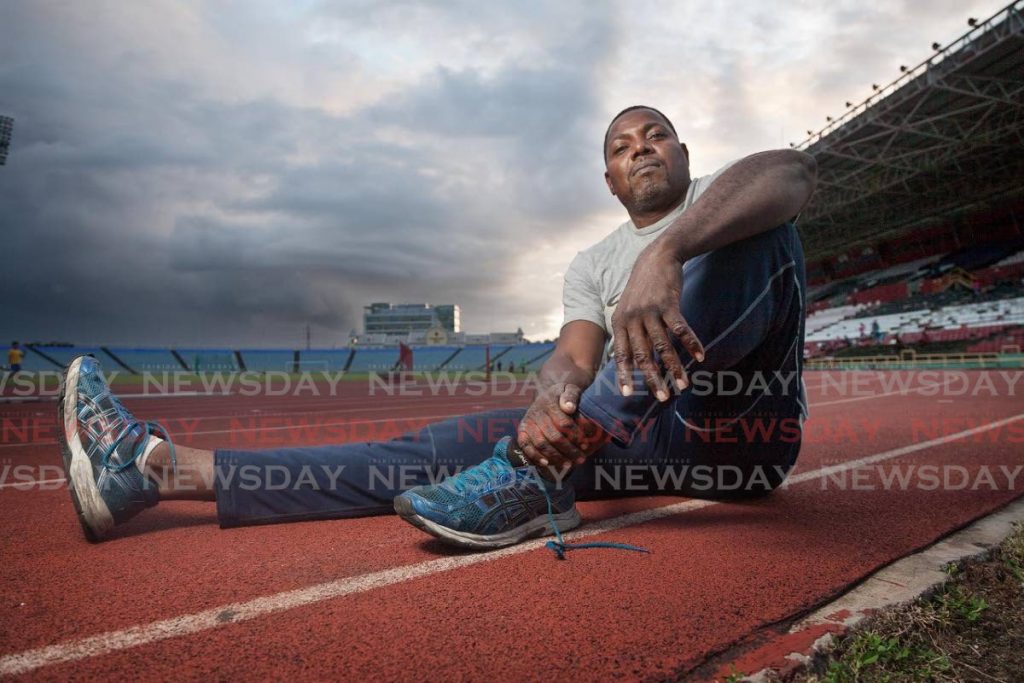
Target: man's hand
[648, 311]
[548, 433]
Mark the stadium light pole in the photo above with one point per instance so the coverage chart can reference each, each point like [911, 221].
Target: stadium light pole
[6, 130]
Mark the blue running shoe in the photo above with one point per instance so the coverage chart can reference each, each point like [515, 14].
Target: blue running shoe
[100, 442]
[491, 505]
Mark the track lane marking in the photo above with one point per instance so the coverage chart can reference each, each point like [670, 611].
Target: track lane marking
[113, 641]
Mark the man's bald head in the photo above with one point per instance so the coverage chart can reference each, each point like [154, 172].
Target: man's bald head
[626, 111]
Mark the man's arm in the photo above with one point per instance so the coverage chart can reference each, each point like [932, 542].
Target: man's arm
[547, 434]
[755, 194]
[577, 356]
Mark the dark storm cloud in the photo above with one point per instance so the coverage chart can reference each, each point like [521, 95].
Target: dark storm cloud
[208, 173]
[143, 206]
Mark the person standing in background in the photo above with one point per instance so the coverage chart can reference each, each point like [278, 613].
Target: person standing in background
[15, 356]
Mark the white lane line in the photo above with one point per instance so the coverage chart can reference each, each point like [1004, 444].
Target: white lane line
[113, 641]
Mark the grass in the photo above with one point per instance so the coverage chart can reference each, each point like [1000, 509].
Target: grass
[971, 630]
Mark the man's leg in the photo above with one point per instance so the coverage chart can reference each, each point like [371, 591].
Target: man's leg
[744, 302]
[327, 482]
[117, 466]
[745, 404]
[188, 476]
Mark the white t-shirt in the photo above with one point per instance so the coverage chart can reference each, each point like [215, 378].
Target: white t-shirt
[597, 275]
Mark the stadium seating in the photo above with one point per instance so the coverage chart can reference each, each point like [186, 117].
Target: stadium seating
[850, 328]
[375, 360]
[331, 360]
[148, 360]
[429, 358]
[65, 354]
[823, 319]
[469, 359]
[532, 356]
[964, 319]
[901, 271]
[973, 257]
[33, 362]
[1000, 341]
[209, 360]
[269, 360]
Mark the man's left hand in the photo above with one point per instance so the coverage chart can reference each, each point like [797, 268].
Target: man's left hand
[648, 311]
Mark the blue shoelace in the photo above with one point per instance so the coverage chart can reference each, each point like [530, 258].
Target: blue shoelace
[478, 476]
[560, 547]
[492, 467]
[139, 447]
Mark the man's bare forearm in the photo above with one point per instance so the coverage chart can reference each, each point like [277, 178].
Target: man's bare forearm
[755, 194]
[559, 368]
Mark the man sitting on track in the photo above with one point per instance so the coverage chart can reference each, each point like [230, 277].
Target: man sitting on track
[728, 236]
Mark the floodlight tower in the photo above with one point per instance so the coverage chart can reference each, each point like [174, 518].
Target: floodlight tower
[6, 127]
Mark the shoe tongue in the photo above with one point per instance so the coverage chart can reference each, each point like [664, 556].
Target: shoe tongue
[504, 451]
[501, 450]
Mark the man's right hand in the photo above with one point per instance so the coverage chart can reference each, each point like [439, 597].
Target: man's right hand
[549, 434]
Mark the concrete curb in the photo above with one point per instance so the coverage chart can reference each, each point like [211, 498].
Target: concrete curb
[917, 575]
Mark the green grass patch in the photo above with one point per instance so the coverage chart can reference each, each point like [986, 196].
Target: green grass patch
[970, 630]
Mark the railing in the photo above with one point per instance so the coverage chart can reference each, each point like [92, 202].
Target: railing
[911, 360]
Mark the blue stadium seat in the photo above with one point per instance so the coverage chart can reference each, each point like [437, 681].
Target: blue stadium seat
[376, 360]
[469, 359]
[66, 354]
[209, 360]
[430, 358]
[332, 360]
[532, 355]
[148, 360]
[269, 360]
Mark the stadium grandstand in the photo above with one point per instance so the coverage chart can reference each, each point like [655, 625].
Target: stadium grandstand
[915, 237]
[468, 358]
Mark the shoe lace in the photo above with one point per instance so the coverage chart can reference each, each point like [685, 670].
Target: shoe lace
[560, 547]
[478, 476]
[139, 447]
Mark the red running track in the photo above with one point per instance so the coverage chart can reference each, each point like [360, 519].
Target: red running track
[176, 597]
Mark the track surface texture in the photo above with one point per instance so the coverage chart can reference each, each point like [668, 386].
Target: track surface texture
[174, 596]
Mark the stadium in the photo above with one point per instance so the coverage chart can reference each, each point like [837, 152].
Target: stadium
[911, 470]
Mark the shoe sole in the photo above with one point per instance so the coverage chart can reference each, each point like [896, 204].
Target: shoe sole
[93, 513]
[539, 526]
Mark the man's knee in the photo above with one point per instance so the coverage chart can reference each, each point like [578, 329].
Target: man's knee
[753, 288]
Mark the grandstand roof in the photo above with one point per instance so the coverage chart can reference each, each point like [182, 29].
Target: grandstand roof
[944, 137]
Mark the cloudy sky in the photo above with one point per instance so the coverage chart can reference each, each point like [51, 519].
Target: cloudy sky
[224, 173]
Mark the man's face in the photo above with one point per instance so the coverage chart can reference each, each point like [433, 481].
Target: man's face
[647, 168]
